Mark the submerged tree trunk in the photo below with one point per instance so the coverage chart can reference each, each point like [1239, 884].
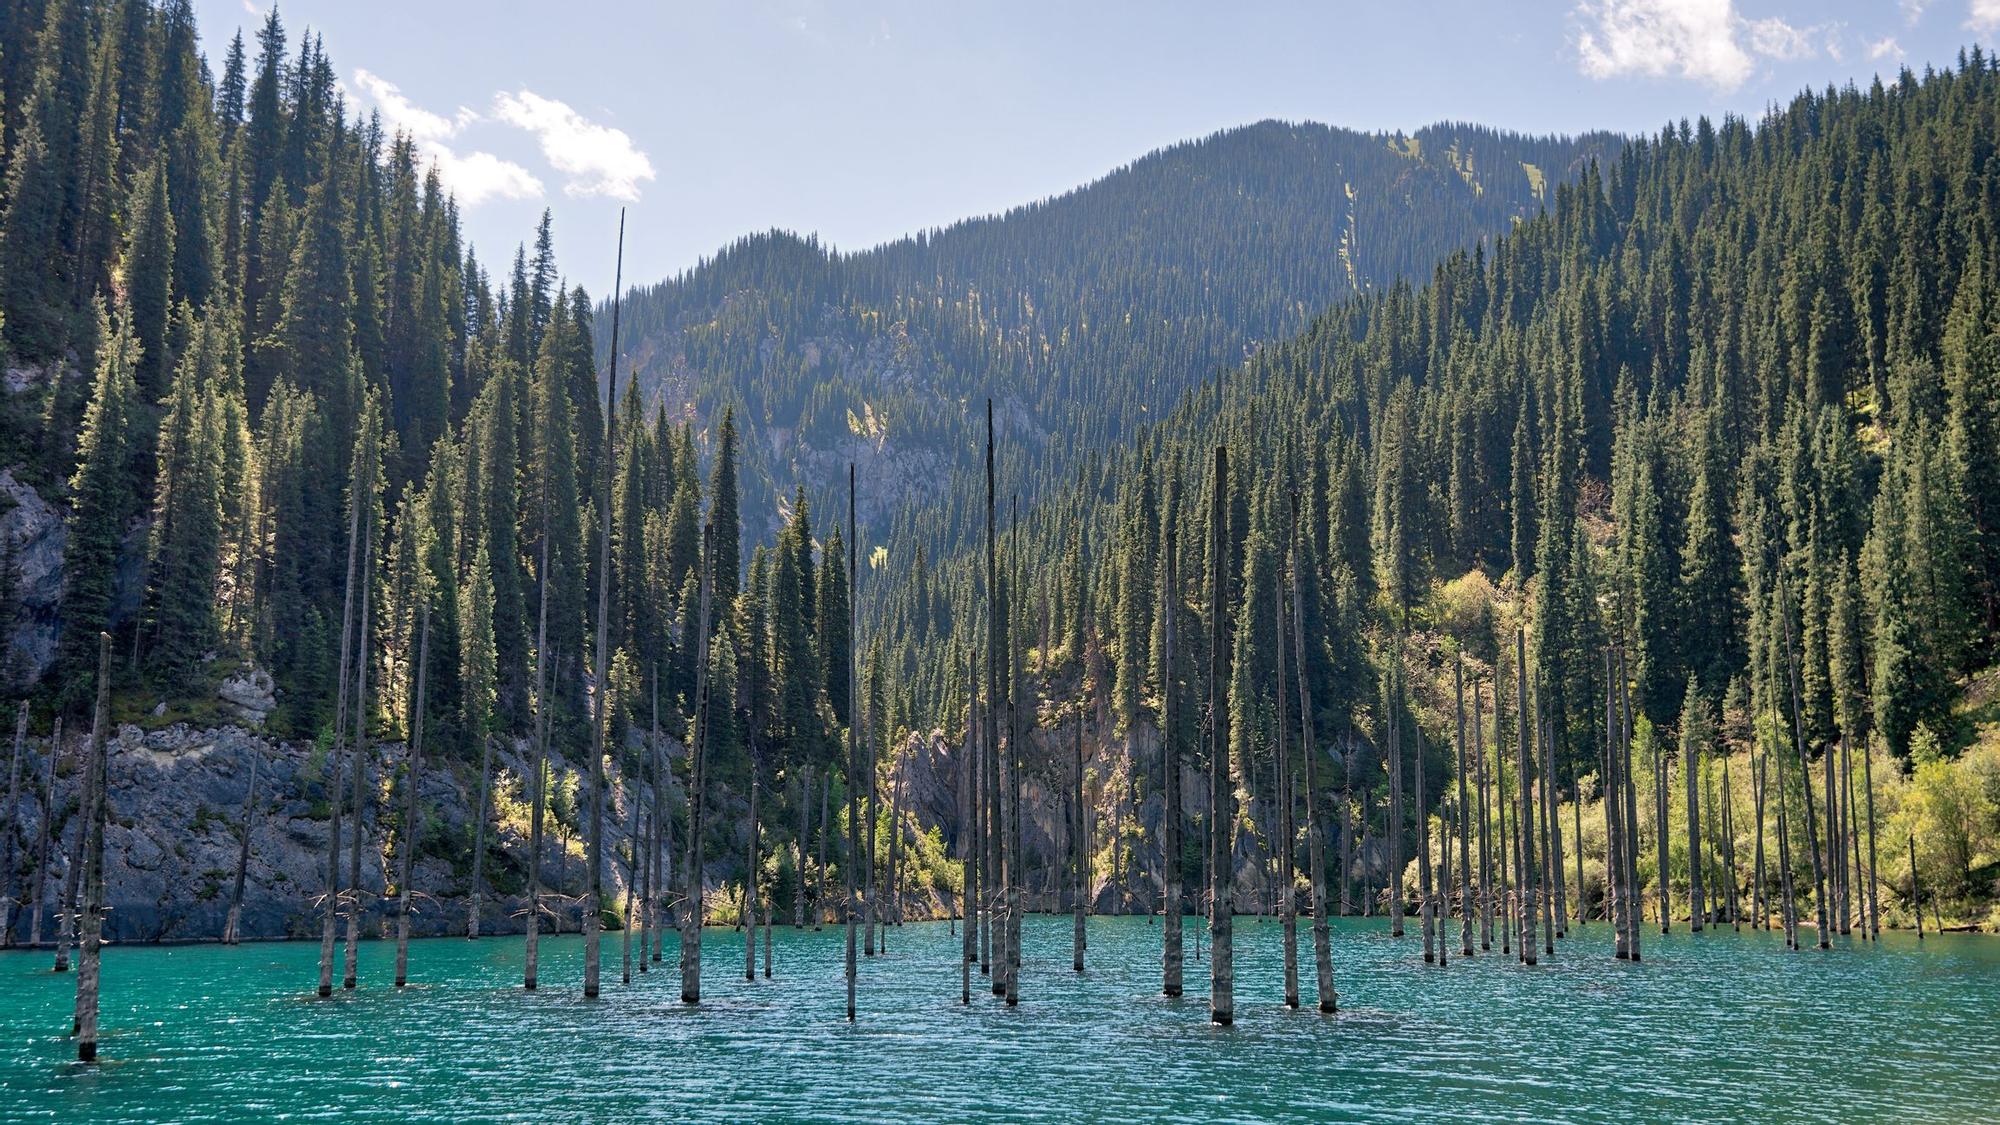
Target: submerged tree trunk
[1760, 898]
[1426, 888]
[13, 829]
[412, 822]
[1523, 726]
[1851, 857]
[1805, 781]
[1916, 893]
[1608, 792]
[531, 970]
[1465, 901]
[1553, 925]
[1017, 853]
[1486, 864]
[600, 695]
[1397, 825]
[1171, 941]
[1785, 862]
[1288, 913]
[1875, 915]
[42, 836]
[750, 883]
[476, 900]
[1079, 881]
[854, 721]
[1221, 790]
[89, 974]
[1636, 911]
[969, 849]
[334, 793]
[1690, 771]
[230, 926]
[358, 767]
[692, 869]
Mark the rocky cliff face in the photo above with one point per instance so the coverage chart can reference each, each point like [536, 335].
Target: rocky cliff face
[177, 803]
[177, 806]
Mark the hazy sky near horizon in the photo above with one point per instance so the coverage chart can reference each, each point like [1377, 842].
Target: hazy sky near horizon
[863, 121]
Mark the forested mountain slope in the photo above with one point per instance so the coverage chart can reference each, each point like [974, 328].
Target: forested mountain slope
[1083, 315]
[1733, 404]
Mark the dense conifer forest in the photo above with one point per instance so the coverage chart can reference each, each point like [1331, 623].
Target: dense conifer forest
[1312, 464]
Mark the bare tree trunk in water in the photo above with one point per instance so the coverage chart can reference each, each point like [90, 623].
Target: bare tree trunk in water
[1079, 879]
[1554, 906]
[1485, 822]
[90, 957]
[693, 869]
[358, 765]
[411, 823]
[8, 871]
[1465, 901]
[750, 883]
[1785, 862]
[1510, 855]
[968, 837]
[1608, 790]
[530, 971]
[1690, 776]
[1426, 890]
[1824, 928]
[235, 919]
[530, 975]
[1729, 850]
[635, 873]
[600, 695]
[1523, 727]
[1221, 790]
[42, 836]
[1397, 824]
[1017, 852]
[1850, 903]
[1875, 915]
[334, 788]
[1760, 898]
[853, 857]
[1916, 893]
[1660, 833]
[1631, 807]
[872, 823]
[893, 903]
[1288, 910]
[1444, 879]
[480, 815]
[1171, 951]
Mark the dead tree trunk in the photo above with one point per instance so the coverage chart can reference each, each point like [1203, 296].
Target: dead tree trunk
[13, 828]
[331, 899]
[480, 815]
[412, 822]
[1465, 901]
[90, 957]
[42, 836]
[1523, 726]
[1288, 914]
[231, 925]
[693, 869]
[1221, 790]
[1171, 947]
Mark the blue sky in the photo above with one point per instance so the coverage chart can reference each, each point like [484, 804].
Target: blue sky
[864, 121]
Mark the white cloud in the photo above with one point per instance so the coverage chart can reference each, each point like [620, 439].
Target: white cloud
[1885, 49]
[479, 176]
[1703, 40]
[472, 177]
[1984, 16]
[598, 159]
[405, 116]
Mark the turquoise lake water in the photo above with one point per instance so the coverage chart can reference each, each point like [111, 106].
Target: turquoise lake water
[1719, 1026]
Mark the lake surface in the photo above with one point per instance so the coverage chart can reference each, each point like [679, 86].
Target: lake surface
[1715, 1026]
